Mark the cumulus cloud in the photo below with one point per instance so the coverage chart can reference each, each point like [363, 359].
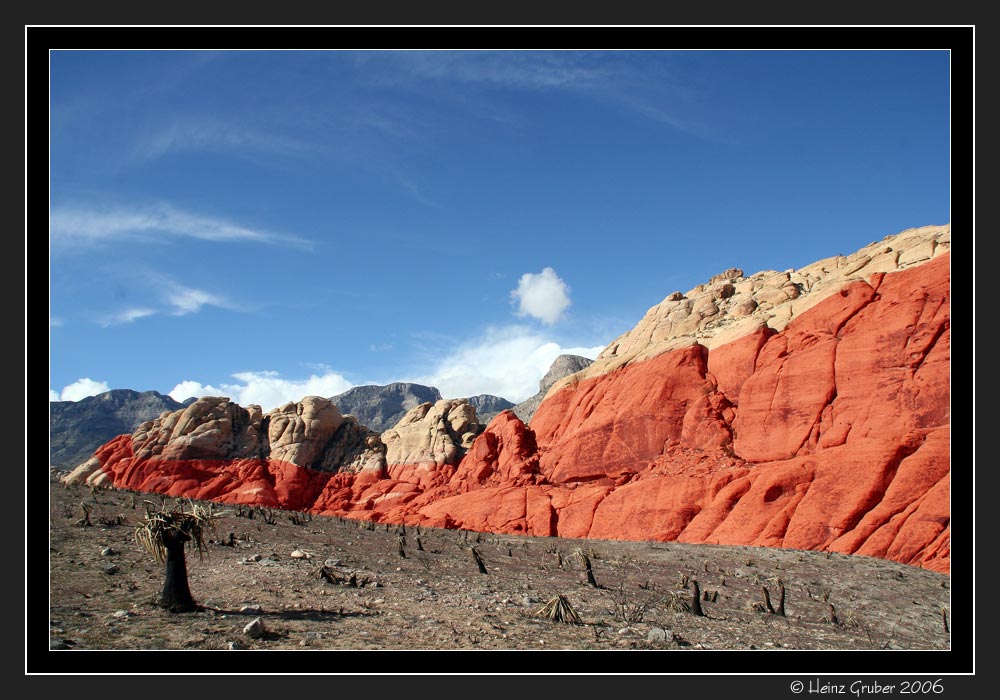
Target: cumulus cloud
[79, 225]
[266, 389]
[507, 362]
[544, 296]
[80, 389]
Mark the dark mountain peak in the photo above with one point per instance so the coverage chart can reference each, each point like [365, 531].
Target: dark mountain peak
[379, 407]
[562, 366]
[77, 428]
[488, 406]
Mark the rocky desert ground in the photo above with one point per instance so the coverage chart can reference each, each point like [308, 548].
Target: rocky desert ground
[281, 580]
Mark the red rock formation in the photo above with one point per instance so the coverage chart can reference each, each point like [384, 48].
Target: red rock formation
[830, 434]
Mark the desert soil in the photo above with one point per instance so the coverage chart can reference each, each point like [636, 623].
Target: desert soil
[103, 589]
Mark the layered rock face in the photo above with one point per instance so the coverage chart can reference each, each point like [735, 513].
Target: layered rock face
[731, 305]
[432, 434]
[216, 449]
[805, 409]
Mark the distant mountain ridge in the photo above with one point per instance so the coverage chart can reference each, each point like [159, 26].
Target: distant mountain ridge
[380, 407]
[488, 406]
[77, 428]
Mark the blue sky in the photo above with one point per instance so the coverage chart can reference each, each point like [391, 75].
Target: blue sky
[268, 225]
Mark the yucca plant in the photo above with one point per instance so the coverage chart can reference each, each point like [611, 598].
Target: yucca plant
[559, 609]
[163, 535]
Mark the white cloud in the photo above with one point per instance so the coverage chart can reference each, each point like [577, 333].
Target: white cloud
[181, 301]
[544, 296]
[187, 300]
[188, 388]
[266, 389]
[81, 226]
[528, 70]
[80, 389]
[206, 135]
[507, 362]
[126, 316]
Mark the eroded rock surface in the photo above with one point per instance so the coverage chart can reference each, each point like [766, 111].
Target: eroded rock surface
[805, 409]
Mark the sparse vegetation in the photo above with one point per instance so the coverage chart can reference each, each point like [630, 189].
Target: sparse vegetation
[559, 609]
[476, 557]
[164, 535]
[85, 520]
[696, 600]
[355, 592]
[587, 566]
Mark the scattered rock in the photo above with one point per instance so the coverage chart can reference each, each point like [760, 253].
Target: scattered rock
[251, 610]
[658, 634]
[255, 628]
[121, 614]
[233, 646]
[299, 554]
[107, 552]
[111, 569]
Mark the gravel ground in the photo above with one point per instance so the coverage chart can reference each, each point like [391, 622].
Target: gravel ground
[330, 583]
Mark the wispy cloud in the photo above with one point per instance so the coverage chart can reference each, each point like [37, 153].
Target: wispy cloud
[176, 300]
[126, 316]
[267, 389]
[186, 300]
[535, 70]
[642, 82]
[81, 226]
[203, 134]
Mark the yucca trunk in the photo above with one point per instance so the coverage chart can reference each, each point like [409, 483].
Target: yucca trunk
[176, 596]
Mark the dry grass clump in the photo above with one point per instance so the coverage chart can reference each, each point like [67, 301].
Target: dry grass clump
[157, 528]
[559, 610]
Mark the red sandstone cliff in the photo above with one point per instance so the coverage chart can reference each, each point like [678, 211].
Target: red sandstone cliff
[807, 409]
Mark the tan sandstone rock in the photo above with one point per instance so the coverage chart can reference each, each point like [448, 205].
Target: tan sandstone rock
[432, 434]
